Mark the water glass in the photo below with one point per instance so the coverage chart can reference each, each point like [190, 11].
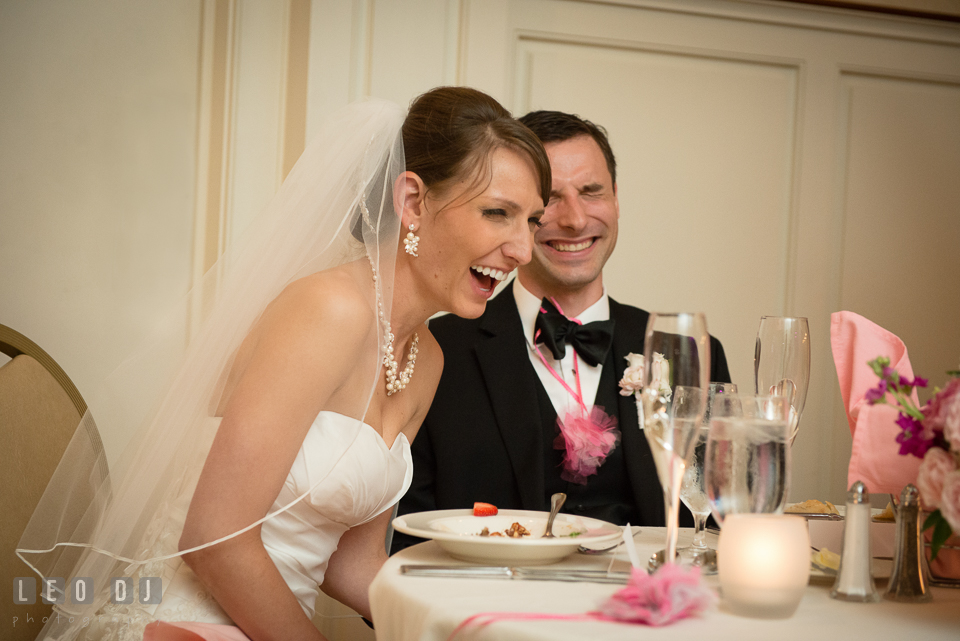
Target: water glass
[747, 460]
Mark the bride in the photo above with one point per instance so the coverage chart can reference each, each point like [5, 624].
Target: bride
[266, 469]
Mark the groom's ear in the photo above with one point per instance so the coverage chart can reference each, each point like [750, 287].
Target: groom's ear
[408, 194]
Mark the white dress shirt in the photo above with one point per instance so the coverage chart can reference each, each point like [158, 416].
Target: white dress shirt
[529, 307]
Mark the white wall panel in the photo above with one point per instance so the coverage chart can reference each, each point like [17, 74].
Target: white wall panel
[257, 106]
[705, 151]
[901, 213]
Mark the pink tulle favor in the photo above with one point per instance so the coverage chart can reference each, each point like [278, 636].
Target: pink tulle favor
[587, 441]
[664, 597]
[670, 594]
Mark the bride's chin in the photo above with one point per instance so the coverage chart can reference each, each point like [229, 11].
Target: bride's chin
[473, 312]
[467, 308]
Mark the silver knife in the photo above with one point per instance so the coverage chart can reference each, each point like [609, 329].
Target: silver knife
[505, 572]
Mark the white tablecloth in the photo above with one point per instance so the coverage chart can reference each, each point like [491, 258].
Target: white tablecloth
[407, 608]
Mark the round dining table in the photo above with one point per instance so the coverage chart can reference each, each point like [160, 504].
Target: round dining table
[408, 608]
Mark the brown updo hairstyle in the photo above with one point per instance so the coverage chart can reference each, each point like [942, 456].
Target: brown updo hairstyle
[450, 132]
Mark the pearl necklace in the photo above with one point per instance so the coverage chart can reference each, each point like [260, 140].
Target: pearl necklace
[394, 383]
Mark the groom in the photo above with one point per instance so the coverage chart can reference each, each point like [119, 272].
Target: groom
[492, 432]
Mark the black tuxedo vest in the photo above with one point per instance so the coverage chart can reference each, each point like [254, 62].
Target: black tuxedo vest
[607, 495]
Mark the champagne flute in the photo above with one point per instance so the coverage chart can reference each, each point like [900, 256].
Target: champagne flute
[781, 363]
[693, 491]
[676, 375]
[747, 460]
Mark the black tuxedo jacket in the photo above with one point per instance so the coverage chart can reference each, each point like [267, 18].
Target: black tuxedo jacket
[482, 438]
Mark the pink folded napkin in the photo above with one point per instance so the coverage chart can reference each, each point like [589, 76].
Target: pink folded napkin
[875, 459]
[192, 631]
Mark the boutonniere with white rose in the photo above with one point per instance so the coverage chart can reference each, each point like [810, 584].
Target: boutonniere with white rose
[632, 381]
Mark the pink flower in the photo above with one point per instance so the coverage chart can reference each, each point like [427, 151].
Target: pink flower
[670, 594]
[943, 413]
[950, 500]
[937, 464]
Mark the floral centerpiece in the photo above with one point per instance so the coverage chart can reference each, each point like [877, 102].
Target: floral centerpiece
[932, 433]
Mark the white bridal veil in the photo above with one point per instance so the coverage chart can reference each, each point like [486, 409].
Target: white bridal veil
[335, 206]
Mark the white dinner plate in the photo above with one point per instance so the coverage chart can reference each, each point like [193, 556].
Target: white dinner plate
[457, 532]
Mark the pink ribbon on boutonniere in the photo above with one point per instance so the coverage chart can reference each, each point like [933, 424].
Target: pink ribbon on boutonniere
[586, 436]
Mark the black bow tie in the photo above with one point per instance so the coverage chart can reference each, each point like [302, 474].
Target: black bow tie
[591, 341]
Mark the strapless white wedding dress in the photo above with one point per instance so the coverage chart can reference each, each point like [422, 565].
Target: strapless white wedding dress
[366, 477]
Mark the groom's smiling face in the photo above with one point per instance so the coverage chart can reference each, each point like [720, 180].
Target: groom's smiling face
[579, 226]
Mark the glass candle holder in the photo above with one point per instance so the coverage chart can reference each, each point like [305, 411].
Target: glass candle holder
[764, 564]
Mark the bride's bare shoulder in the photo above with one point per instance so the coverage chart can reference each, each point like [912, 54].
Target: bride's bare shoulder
[335, 299]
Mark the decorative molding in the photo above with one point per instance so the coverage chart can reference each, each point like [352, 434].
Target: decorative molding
[361, 49]
[810, 16]
[554, 37]
[219, 119]
[933, 9]
[454, 42]
[293, 123]
[897, 74]
[219, 23]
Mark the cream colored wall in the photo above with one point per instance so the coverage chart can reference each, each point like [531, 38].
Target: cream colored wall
[98, 120]
[803, 159]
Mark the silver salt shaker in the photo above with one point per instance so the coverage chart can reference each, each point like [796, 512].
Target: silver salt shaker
[854, 580]
[910, 580]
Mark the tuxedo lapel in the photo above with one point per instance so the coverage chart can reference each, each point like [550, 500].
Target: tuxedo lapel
[511, 385]
[631, 325]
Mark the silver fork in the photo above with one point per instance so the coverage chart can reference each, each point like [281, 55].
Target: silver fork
[592, 551]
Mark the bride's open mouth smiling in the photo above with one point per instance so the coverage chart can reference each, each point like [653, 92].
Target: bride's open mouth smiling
[487, 277]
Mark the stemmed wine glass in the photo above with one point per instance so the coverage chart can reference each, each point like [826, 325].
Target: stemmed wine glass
[676, 375]
[693, 490]
[747, 461]
[781, 363]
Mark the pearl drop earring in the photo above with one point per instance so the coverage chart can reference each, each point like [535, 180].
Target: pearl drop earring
[411, 242]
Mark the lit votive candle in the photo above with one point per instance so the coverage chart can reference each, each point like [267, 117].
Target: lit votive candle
[764, 564]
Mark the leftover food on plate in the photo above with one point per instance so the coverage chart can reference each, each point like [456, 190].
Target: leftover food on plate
[886, 515]
[515, 531]
[457, 532]
[508, 526]
[824, 558]
[813, 506]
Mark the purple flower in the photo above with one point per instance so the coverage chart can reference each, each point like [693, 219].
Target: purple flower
[875, 394]
[909, 424]
[916, 382]
[915, 444]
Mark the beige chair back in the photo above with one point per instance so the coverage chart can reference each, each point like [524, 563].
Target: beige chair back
[40, 409]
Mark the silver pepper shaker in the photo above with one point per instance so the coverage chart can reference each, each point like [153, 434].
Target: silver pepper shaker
[854, 580]
[910, 580]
